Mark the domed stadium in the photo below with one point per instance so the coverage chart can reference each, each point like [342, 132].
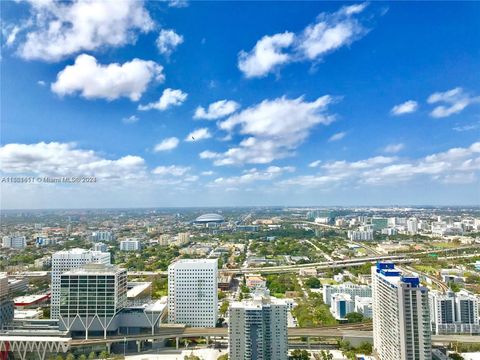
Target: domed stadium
[209, 218]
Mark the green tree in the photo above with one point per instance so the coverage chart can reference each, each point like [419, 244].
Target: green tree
[354, 317]
[325, 355]
[92, 356]
[313, 283]
[59, 357]
[82, 357]
[70, 356]
[224, 308]
[221, 295]
[104, 354]
[191, 357]
[223, 357]
[456, 356]
[298, 354]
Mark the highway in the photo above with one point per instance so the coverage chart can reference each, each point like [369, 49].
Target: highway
[363, 330]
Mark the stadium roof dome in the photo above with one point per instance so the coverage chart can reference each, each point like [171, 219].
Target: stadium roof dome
[208, 218]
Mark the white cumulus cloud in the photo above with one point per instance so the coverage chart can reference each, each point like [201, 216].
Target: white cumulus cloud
[65, 159]
[167, 144]
[172, 170]
[169, 98]
[57, 29]
[407, 107]
[131, 119]
[167, 41]
[330, 32]
[266, 55]
[93, 80]
[216, 110]
[315, 163]
[453, 102]
[272, 129]
[198, 134]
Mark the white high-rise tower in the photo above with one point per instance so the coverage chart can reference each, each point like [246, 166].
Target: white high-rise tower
[401, 320]
[258, 329]
[63, 261]
[192, 292]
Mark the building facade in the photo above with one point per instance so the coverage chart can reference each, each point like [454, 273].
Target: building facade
[346, 288]
[91, 297]
[258, 329]
[14, 242]
[192, 292]
[64, 261]
[6, 304]
[401, 320]
[130, 245]
[454, 313]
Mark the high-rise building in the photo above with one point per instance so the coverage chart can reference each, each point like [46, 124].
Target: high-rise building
[91, 297]
[6, 304]
[192, 292]
[401, 321]
[14, 242]
[346, 288]
[130, 245]
[454, 313]
[258, 329]
[412, 226]
[379, 223]
[102, 235]
[63, 261]
[100, 247]
[360, 235]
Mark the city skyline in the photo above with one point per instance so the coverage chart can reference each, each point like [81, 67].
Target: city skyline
[311, 104]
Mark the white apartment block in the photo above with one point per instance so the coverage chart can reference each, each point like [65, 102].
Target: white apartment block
[63, 261]
[364, 306]
[183, 238]
[164, 240]
[258, 329]
[360, 235]
[192, 292]
[401, 320]
[342, 304]
[454, 313]
[102, 236]
[347, 288]
[412, 226]
[14, 242]
[130, 245]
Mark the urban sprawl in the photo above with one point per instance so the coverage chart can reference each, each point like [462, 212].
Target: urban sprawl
[241, 283]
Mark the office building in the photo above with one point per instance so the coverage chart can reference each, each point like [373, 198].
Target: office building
[164, 240]
[102, 236]
[6, 303]
[412, 226]
[101, 247]
[192, 292]
[63, 261]
[183, 238]
[360, 235]
[258, 329]
[379, 223]
[14, 242]
[347, 288]
[342, 304]
[454, 313]
[401, 321]
[91, 297]
[130, 245]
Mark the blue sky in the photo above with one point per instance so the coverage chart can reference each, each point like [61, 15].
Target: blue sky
[240, 103]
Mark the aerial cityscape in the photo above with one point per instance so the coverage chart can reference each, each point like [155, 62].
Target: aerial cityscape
[239, 180]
